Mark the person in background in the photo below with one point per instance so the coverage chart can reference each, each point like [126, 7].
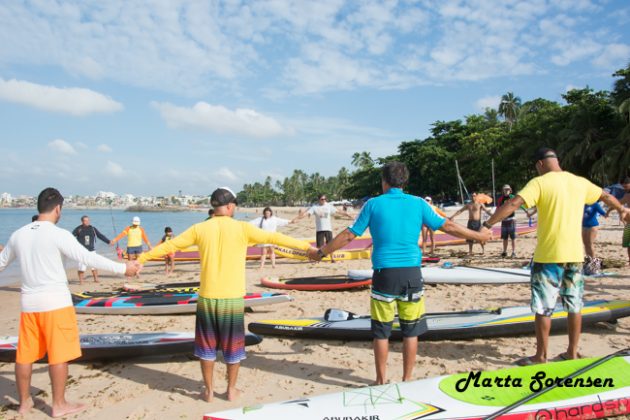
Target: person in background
[210, 214]
[169, 259]
[323, 212]
[48, 324]
[269, 223]
[508, 225]
[474, 209]
[428, 233]
[34, 218]
[86, 234]
[590, 224]
[135, 236]
[222, 243]
[395, 220]
[559, 197]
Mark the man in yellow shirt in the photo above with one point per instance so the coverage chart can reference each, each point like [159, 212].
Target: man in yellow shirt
[559, 197]
[222, 243]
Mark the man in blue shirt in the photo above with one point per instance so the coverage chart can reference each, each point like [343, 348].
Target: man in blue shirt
[395, 220]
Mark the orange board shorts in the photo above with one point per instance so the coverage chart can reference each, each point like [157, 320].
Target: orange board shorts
[54, 333]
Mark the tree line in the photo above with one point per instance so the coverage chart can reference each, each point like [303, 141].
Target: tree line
[590, 132]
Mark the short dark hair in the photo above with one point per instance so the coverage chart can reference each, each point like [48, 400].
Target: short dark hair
[167, 229]
[395, 174]
[319, 197]
[85, 216]
[210, 212]
[544, 153]
[222, 197]
[35, 217]
[48, 199]
[626, 180]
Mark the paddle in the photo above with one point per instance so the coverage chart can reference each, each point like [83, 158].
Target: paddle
[336, 315]
[505, 410]
[497, 271]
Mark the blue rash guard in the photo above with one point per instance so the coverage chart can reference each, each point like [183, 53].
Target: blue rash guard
[589, 219]
[395, 220]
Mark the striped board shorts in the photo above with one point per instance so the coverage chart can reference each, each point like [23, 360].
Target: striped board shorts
[220, 326]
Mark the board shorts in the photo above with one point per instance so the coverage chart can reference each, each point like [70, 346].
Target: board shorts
[83, 268]
[548, 280]
[398, 289]
[625, 241]
[52, 332]
[323, 237]
[473, 225]
[508, 229]
[220, 325]
[137, 250]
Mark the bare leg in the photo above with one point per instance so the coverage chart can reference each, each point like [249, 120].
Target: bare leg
[513, 246]
[263, 257]
[23, 372]
[207, 369]
[232, 372]
[81, 276]
[588, 244]
[470, 244]
[575, 328]
[95, 275]
[410, 348]
[543, 327]
[272, 257]
[381, 350]
[432, 242]
[628, 255]
[505, 243]
[60, 407]
[424, 239]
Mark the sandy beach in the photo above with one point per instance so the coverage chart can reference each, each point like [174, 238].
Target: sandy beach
[280, 369]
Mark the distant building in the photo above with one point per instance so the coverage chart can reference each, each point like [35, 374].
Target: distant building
[6, 199]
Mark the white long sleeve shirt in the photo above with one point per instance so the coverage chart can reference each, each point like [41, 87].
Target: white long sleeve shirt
[39, 248]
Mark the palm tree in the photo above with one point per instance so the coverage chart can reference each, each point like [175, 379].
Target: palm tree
[508, 108]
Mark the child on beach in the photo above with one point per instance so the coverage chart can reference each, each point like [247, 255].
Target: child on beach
[169, 259]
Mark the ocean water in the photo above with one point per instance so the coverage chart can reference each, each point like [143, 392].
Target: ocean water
[108, 222]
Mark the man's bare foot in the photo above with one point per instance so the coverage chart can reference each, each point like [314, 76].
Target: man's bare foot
[207, 395]
[67, 409]
[233, 394]
[26, 406]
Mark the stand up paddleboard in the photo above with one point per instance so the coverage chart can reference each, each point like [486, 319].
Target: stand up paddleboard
[516, 320]
[599, 388]
[461, 275]
[320, 283]
[124, 346]
[158, 303]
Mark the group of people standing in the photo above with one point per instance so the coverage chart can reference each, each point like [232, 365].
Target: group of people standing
[395, 220]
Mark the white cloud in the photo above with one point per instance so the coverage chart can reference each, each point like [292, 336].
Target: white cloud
[73, 101]
[104, 148]
[226, 174]
[614, 56]
[488, 102]
[62, 146]
[220, 119]
[81, 145]
[114, 169]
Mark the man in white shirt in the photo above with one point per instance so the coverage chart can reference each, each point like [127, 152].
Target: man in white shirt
[323, 212]
[48, 324]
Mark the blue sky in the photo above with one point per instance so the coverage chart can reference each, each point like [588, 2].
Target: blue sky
[155, 97]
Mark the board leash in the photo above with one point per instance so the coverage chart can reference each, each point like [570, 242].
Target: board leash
[505, 410]
[495, 270]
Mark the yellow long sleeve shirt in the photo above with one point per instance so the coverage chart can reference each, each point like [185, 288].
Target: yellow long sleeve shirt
[222, 243]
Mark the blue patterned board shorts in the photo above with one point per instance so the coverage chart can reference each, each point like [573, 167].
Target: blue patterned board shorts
[548, 280]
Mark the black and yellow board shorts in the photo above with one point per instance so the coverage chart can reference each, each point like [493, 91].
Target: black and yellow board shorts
[397, 290]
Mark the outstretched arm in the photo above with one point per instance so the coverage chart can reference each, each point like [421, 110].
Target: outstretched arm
[484, 208]
[612, 202]
[505, 210]
[454, 229]
[301, 214]
[341, 240]
[458, 212]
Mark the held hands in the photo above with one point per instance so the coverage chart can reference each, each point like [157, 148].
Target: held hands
[133, 268]
[486, 235]
[312, 254]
